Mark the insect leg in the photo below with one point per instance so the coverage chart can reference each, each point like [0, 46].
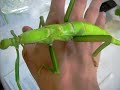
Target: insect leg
[95, 38]
[70, 7]
[42, 23]
[99, 49]
[55, 68]
[17, 77]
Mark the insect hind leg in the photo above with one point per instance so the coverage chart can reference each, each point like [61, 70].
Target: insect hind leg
[99, 49]
[95, 38]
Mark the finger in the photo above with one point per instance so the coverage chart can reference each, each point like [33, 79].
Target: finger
[56, 13]
[78, 10]
[26, 28]
[101, 20]
[92, 12]
[27, 47]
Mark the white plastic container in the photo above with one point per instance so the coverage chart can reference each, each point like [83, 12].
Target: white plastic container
[14, 6]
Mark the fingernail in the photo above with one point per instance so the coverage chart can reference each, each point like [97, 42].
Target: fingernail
[26, 28]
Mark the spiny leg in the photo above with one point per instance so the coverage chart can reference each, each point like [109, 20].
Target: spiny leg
[95, 38]
[55, 68]
[41, 24]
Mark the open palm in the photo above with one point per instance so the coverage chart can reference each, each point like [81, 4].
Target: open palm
[75, 62]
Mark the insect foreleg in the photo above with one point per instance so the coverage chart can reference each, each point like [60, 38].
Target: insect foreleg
[95, 38]
[70, 7]
[55, 68]
[42, 22]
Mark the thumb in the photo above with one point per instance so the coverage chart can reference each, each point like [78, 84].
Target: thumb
[27, 48]
[26, 28]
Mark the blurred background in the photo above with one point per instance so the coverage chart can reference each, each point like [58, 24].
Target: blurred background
[18, 13]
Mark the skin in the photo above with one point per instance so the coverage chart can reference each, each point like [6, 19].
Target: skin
[75, 61]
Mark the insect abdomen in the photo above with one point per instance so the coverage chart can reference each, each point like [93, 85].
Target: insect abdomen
[94, 30]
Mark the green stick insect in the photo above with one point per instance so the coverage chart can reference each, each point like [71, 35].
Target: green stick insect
[77, 31]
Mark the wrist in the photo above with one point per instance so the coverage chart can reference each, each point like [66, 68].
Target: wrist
[79, 83]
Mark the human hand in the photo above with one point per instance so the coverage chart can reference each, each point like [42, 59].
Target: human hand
[77, 71]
